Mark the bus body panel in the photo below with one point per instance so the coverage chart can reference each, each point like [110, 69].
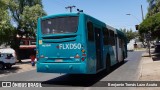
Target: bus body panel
[76, 68]
[57, 53]
[91, 47]
[91, 57]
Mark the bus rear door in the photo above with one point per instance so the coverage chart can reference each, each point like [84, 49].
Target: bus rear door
[99, 53]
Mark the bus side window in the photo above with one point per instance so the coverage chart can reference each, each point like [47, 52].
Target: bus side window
[105, 36]
[90, 31]
[120, 43]
[112, 38]
[123, 43]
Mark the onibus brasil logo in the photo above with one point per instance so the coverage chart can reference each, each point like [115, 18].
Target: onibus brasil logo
[20, 84]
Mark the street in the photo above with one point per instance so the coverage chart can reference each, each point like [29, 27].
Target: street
[129, 71]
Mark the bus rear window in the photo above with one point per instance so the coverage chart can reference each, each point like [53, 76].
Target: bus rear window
[60, 25]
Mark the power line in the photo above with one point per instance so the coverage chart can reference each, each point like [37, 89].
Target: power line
[142, 12]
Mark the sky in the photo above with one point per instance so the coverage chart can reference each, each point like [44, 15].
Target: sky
[111, 12]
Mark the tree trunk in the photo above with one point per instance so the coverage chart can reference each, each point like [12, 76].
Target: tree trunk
[15, 45]
[18, 55]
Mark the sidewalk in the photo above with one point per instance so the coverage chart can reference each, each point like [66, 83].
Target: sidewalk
[150, 71]
[18, 68]
[25, 65]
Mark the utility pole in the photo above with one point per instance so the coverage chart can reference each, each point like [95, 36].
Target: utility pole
[142, 13]
[70, 8]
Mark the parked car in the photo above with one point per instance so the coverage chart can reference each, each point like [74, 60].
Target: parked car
[130, 45]
[7, 58]
[157, 46]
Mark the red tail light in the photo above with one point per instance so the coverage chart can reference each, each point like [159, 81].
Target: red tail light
[83, 58]
[84, 55]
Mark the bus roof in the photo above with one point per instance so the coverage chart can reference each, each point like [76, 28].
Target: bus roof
[60, 15]
[107, 26]
[121, 34]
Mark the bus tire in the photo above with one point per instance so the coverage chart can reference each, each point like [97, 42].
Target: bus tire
[123, 57]
[108, 63]
[1, 65]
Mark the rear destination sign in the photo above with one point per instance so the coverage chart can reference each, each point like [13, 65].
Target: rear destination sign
[70, 46]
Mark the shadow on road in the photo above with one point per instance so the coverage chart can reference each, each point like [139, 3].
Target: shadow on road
[156, 58]
[11, 70]
[23, 62]
[79, 80]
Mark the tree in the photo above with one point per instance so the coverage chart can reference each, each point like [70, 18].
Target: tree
[24, 13]
[129, 33]
[28, 21]
[150, 24]
[152, 21]
[151, 3]
[154, 7]
[5, 25]
[146, 25]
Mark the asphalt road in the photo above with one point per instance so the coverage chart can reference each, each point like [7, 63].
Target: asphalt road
[129, 71]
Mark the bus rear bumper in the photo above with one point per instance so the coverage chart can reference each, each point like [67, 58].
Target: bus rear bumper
[71, 68]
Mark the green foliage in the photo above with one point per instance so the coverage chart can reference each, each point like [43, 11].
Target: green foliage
[152, 21]
[129, 33]
[5, 25]
[29, 19]
[146, 25]
[23, 15]
[150, 24]
[154, 7]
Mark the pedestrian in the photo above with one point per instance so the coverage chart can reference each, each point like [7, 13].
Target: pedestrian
[32, 59]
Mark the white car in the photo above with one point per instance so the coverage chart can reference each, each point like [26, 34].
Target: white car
[157, 46]
[7, 58]
[130, 45]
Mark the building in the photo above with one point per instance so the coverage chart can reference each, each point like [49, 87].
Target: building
[27, 48]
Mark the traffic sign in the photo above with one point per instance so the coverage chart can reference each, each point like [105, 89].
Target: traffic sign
[148, 36]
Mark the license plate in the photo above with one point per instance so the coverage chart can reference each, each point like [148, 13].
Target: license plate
[59, 60]
[8, 60]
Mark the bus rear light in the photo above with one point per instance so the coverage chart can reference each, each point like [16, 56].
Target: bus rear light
[77, 56]
[84, 55]
[42, 56]
[83, 58]
[83, 51]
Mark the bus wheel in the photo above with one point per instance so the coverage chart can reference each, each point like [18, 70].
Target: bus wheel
[123, 57]
[108, 63]
[1, 66]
